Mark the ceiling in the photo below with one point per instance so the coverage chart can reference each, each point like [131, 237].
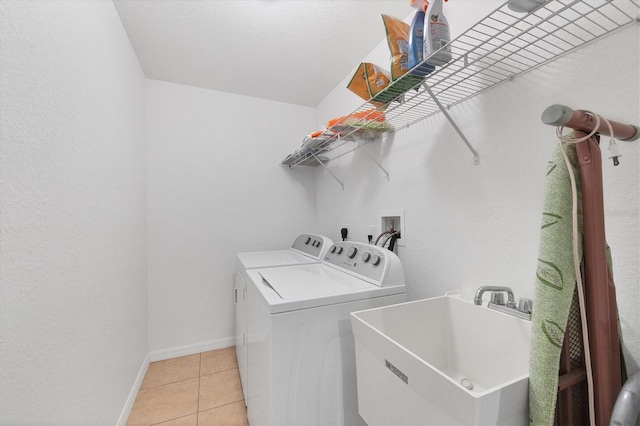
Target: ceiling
[294, 51]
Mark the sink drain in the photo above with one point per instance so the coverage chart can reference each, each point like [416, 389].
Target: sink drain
[466, 383]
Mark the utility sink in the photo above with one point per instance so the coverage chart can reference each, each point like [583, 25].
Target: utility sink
[441, 361]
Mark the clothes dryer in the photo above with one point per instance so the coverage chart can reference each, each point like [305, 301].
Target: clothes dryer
[306, 249]
[300, 346]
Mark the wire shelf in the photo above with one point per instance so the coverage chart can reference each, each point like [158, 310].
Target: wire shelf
[503, 45]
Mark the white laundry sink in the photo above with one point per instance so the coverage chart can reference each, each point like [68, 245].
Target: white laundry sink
[441, 361]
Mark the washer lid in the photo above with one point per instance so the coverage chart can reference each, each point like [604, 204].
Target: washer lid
[307, 286]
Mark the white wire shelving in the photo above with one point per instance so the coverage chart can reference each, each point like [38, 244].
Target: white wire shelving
[502, 46]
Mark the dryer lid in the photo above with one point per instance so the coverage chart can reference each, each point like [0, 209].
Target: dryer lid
[269, 259]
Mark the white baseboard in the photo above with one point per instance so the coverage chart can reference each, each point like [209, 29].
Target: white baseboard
[195, 348]
[124, 415]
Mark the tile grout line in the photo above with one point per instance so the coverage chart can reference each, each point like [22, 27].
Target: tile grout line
[220, 371]
[223, 405]
[168, 383]
[169, 420]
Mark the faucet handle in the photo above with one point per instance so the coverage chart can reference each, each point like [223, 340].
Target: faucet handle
[497, 298]
[525, 305]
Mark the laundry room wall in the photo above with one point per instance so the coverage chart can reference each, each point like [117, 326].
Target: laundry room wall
[215, 188]
[471, 225]
[73, 297]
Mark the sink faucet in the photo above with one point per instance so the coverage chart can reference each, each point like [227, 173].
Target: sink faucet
[511, 302]
[523, 310]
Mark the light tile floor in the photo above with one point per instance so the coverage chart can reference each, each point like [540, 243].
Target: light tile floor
[195, 390]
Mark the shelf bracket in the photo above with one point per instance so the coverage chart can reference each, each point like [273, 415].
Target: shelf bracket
[476, 157]
[374, 160]
[329, 171]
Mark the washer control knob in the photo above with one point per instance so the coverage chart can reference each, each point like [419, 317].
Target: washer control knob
[351, 253]
[333, 249]
[366, 257]
[308, 240]
[375, 260]
[340, 249]
[316, 243]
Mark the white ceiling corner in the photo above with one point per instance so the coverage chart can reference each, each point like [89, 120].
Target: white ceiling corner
[293, 51]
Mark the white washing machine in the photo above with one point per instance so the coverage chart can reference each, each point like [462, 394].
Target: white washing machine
[300, 346]
[306, 249]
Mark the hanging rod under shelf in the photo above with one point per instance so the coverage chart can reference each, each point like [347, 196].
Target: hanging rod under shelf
[500, 47]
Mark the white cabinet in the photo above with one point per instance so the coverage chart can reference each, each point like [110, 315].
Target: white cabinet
[240, 296]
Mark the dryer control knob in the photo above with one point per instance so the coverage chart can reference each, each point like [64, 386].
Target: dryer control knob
[308, 240]
[333, 249]
[366, 257]
[340, 250]
[375, 260]
[351, 253]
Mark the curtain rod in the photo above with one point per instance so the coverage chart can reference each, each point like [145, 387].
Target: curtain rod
[560, 115]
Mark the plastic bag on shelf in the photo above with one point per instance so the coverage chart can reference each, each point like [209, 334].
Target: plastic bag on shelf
[368, 81]
[363, 124]
[316, 142]
[398, 42]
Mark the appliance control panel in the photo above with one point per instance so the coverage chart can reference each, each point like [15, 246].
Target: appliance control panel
[312, 245]
[374, 264]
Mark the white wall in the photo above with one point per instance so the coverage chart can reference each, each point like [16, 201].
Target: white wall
[215, 188]
[73, 319]
[75, 225]
[467, 225]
